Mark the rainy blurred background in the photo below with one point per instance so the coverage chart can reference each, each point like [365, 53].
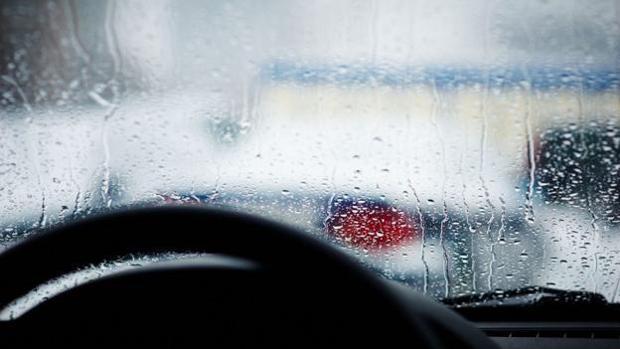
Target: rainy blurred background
[456, 146]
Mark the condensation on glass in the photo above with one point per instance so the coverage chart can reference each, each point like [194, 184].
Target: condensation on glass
[456, 146]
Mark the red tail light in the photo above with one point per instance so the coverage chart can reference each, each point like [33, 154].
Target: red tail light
[372, 227]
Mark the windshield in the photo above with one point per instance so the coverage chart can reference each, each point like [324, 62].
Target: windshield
[458, 147]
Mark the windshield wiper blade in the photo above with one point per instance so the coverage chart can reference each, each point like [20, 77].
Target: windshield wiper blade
[533, 295]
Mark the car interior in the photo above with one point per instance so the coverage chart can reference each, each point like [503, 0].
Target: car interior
[425, 174]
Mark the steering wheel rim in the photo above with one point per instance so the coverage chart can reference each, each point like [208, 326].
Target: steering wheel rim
[66, 248]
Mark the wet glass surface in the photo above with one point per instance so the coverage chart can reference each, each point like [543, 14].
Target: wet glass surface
[458, 147]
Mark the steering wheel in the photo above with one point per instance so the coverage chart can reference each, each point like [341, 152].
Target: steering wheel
[280, 287]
